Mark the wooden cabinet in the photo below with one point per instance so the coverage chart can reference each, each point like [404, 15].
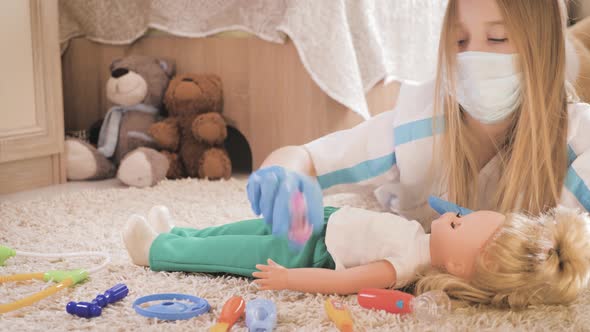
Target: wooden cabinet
[31, 106]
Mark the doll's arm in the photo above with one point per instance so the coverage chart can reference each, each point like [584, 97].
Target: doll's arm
[380, 274]
[166, 134]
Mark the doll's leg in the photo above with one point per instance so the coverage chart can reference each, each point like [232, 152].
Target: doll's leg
[236, 254]
[234, 248]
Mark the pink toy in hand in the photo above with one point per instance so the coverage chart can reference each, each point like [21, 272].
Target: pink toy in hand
[300, 229]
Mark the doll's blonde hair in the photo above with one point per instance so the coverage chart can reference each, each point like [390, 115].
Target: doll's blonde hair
[534, 153]
[529, 261]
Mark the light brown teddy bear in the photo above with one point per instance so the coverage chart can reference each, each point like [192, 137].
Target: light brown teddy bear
[136, 87]
[193, 134]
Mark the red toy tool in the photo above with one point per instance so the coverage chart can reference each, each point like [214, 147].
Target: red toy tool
[232, 310]
[428, 306]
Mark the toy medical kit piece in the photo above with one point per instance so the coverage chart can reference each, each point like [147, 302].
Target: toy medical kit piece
[94, 308]
[64, 278]
[339, 314]
[232, 310]
[429, 306]
[300, 229]
[441, 206]
[261, 315]
[171, 306]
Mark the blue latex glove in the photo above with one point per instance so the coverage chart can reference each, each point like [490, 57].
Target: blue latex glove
[441, 206]
[270, 190]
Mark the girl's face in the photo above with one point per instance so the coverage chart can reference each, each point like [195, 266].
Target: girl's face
[481, 28]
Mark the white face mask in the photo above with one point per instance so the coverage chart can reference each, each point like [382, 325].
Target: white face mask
[488, 85]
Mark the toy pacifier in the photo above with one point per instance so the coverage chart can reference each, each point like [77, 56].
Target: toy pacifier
[261, 315]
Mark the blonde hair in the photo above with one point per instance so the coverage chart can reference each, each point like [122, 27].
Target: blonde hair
[530, 261]
[534, 154]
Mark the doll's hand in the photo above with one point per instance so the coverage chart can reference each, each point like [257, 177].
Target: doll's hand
[441, 206]
[272, 276]
[270, 191]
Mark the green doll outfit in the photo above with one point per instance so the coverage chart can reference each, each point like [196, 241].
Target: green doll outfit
[235, 248]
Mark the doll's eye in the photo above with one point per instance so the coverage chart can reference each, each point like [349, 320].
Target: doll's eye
[458, 214]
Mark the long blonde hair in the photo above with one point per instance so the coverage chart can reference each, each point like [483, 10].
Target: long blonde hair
[534, 154]
[529, 261]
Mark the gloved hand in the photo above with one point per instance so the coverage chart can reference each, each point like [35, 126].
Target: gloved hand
[270, 190]
[441, 206]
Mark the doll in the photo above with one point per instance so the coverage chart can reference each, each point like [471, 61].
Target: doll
[483, 257]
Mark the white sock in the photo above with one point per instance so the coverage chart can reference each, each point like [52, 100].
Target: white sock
[159, 219]
[138, 237]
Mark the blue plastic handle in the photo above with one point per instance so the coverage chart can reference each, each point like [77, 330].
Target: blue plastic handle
[94, 308]
[441, 206]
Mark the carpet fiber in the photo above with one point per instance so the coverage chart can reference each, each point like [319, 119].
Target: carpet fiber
[93, 220]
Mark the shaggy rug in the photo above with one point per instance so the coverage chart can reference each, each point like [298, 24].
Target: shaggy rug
[93, 220]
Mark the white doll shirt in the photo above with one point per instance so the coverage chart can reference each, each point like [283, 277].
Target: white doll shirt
[357, 237]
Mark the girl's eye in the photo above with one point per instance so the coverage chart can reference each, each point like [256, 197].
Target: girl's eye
[461, 42]
[497, 40]
[458, 214]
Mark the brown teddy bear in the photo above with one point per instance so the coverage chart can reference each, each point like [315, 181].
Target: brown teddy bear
[136, 87]
[194, 132]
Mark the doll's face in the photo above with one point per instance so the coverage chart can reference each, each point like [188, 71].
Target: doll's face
[456, 242]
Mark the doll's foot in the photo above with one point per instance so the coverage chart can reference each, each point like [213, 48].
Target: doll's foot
[138, 237]
[159, 219]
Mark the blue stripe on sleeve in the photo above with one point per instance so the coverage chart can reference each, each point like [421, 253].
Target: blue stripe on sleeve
[416, 130]
[571, 155]
[360, 172]
[575, 184]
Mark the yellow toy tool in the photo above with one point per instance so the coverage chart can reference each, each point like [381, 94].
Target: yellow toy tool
[63, 278]
[339, 314]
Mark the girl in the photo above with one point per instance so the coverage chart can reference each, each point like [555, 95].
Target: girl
[499, 129]
[488, 258]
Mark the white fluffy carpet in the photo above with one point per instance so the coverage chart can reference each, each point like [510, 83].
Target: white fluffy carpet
[92, 220]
